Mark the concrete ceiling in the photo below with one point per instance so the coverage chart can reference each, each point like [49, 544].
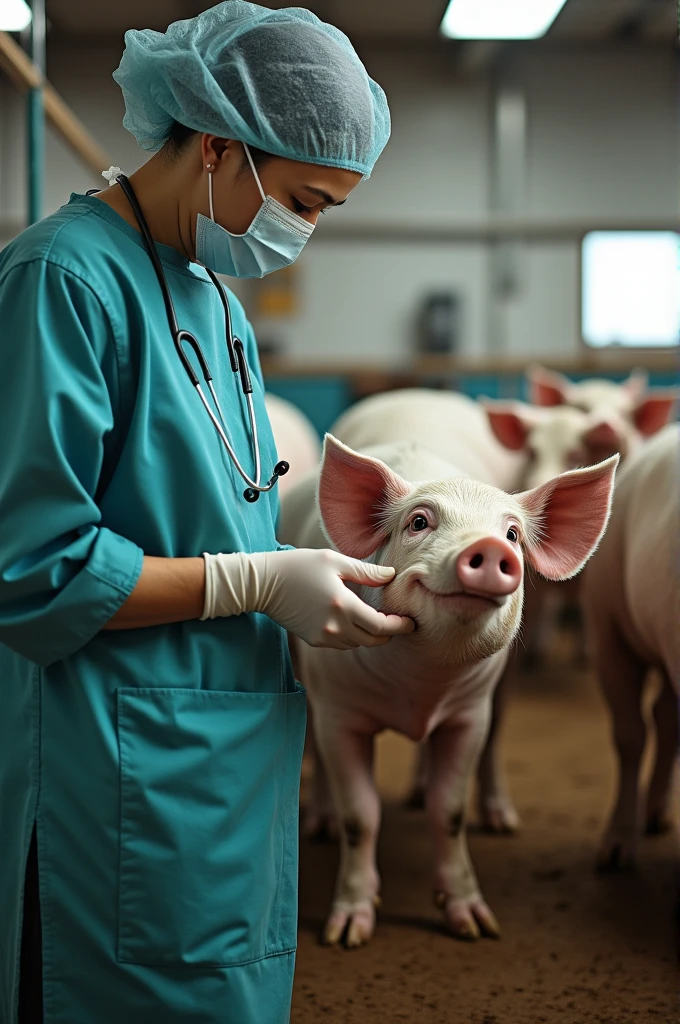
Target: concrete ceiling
[385, 20]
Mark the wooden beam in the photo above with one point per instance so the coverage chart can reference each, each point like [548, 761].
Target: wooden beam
[24, 74]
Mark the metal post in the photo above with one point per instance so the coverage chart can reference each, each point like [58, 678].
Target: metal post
[36, 118]
[507, 198]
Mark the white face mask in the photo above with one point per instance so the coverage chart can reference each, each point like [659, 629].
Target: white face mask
[274, 239]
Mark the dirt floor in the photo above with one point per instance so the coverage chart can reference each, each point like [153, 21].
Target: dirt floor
[577, 947]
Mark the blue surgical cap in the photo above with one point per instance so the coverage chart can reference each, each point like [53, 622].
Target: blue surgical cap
[282, 81]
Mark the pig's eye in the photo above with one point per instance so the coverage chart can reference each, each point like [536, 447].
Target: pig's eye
[418, 524]
[512, 535]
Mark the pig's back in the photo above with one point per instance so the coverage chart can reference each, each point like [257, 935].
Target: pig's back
[649, 495]
[449, 424]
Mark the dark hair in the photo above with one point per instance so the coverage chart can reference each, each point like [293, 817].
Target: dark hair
[180, 138]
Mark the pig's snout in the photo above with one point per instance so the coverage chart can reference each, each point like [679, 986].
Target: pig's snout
[489, 567]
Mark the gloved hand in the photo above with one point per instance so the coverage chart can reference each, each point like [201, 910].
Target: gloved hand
[303, 591]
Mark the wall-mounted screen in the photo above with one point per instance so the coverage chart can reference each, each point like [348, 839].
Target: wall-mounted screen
[630, 288]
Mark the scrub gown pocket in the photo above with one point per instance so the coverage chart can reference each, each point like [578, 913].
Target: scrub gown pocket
[209, 791]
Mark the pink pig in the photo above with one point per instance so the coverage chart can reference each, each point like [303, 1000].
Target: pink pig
[632, 605]
[459, 547]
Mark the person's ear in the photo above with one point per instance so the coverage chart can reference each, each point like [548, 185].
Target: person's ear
[215, 149]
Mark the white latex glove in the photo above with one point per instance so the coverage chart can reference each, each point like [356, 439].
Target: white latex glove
[303, 591]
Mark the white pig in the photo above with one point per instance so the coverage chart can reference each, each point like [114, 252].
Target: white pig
[451, 425]
[488, 441]
[547, 387]
[296, 440]
[628, 411]
[632, 605]
[457, 429]
[552, 439]
[458, 547]
[602, 418]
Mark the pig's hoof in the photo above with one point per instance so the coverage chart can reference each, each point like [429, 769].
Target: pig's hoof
[497, 815]
[415, 801]
[320, 827]
[618, 852]
[658, 824]
[468, 918]
[352, 923]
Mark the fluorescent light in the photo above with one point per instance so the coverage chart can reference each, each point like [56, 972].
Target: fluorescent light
[15, 15]
[499, 19]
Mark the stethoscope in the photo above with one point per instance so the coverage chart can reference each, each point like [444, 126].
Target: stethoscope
[237, 359]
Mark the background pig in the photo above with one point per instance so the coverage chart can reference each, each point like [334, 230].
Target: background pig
[449, 424]
[628, 410]
[296, 440]
[576, 425]
[551, 439]
[601, 418]
[458, 547]
[632, 605]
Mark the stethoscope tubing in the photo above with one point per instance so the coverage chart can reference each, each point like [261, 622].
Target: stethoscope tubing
[237, 360]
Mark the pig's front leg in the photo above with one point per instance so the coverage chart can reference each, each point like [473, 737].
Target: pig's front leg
[348, 757]
[454, 751]
[497, 812]
[416, 797]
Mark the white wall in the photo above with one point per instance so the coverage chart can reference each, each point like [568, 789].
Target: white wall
[602, 141]
[603, 132]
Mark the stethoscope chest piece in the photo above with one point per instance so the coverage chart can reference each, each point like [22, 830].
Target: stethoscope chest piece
[280, 469]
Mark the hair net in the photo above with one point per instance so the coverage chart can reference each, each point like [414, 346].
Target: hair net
[282, 81]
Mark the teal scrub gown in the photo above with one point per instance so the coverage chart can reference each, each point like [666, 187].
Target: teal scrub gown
[159, 766]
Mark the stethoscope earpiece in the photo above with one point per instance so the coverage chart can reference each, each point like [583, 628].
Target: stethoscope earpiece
[251, 495]
[281, 468]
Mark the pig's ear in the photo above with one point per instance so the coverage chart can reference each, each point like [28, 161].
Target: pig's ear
[547, 387]
[636, 384]
[511, 422]
[653, 412]
[567, 517]
[354, 493]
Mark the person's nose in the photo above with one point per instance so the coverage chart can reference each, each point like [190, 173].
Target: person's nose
[490, 566]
